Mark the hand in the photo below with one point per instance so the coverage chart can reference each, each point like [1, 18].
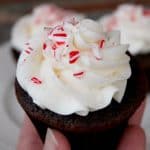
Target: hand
[133, 138]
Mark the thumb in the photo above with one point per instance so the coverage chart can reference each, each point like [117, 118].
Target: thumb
[133, 139]
[55, 141]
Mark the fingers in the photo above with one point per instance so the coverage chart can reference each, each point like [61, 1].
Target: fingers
[29, 138]
[137, 116]
[56, 141]
[133, 139]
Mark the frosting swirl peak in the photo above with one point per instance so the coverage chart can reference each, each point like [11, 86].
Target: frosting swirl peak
[33, 23]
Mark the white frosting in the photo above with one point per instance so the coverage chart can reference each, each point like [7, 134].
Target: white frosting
[43, 15]
[86, 70]
[134, 23]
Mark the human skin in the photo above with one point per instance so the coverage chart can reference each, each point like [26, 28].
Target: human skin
[133, 137]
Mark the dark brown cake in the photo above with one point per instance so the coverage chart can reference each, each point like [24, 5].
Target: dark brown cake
[144, 60]
[15, 54]
[100, 129]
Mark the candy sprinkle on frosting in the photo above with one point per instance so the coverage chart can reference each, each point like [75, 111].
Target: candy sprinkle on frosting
[36, 80]
[60, 34]
[60, 43]
[54, 47]
[74, 56]
[27, 51]
[79, 74]
[44, 46]
[30, 48]
[101, 44]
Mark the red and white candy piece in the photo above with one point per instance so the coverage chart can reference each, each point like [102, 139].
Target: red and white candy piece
[58, 37]
[60, 34]
[101, 43]
[29, 49]
[57, 33]
[74, 56]
[59, 43]
[36, 80]
[54, 47]
[79, 74]
[44, 46]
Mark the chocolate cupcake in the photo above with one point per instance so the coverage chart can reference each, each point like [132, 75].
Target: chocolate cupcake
[77, 79]
[42, 15]
[133, 21]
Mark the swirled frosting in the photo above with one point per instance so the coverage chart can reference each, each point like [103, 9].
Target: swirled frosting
[74, 67]
[134, 23]
[42, 15]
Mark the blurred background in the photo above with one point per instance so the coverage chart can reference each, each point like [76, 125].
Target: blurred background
[10, 10]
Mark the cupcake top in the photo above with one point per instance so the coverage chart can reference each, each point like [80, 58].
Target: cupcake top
[74, 67]
[42, 15]
[134, 23]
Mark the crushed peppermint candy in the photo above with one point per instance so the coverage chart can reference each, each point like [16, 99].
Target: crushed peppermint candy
[30, 48]
[79, 74]
[74, 56]
[60, 43]
[57, 40]
[54, 47]
[60, 34]
[36, 80]
[101, 43]
[44, 46]
[27, 51]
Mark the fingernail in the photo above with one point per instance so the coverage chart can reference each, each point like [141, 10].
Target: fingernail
[50, 142]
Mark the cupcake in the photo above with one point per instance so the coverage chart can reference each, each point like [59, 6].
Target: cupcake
[134, 23]
[42, 15]
[78, 79]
